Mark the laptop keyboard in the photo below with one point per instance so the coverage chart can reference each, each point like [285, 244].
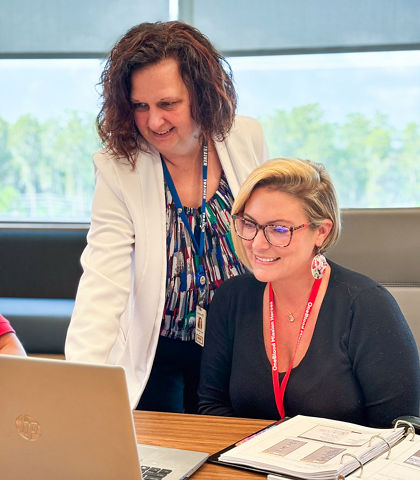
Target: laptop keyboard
[153, 473]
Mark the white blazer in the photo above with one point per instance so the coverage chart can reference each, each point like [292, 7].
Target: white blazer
[119, 304]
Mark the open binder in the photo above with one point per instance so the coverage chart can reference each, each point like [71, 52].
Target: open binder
[317, 448]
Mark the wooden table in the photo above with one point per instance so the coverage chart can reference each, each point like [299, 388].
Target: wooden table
[198, 432]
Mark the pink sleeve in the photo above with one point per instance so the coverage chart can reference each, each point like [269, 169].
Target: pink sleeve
[5, 326]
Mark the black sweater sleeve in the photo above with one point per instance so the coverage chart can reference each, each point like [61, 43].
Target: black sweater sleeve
[384, 357]
[216, 360]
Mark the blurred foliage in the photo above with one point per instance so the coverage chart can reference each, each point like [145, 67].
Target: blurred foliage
[371, 163]
[46, 170]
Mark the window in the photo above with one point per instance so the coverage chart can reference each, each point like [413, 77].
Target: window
[50, 62]
[47, 137]
[357, 113]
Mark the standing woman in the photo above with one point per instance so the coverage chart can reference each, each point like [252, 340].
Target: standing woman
[303, 335]
[159, 244]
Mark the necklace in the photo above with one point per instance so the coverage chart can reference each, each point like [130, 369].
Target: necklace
[291, 317]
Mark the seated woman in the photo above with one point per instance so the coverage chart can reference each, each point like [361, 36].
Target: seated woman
[9, 343]
[302, 335]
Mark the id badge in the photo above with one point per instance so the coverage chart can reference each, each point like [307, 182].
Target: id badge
[200, 325]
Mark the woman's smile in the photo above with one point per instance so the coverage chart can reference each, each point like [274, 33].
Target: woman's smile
[266, 259]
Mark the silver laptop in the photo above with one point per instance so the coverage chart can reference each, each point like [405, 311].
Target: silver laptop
[67, 421]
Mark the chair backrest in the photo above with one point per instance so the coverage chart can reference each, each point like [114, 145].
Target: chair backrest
[385, 245]
[39, 261]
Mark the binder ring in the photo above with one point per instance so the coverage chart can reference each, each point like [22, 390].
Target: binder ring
[386, 441]
[358, 460]
[409, 428]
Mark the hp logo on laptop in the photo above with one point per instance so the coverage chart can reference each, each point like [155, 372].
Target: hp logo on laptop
[28, 427]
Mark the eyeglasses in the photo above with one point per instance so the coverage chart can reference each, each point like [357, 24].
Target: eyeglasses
[277, 235]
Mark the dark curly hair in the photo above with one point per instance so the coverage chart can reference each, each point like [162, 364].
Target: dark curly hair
[205, 72]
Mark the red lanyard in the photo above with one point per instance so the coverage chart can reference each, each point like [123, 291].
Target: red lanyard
[280, 389]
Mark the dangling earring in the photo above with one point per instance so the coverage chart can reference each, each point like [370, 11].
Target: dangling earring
[318, 266]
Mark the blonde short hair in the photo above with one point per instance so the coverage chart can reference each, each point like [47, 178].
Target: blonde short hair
[305, 180]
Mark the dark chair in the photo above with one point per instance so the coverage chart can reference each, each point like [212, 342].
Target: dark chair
[39, 273]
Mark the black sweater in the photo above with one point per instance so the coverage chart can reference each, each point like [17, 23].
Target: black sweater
[362, 364]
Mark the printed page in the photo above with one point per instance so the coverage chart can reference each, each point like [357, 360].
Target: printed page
[309, 446]
[403, 464]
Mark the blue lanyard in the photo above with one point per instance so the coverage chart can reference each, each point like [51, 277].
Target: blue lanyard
[180, 209]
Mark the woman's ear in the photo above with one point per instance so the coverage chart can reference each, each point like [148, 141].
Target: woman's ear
[323, 231]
